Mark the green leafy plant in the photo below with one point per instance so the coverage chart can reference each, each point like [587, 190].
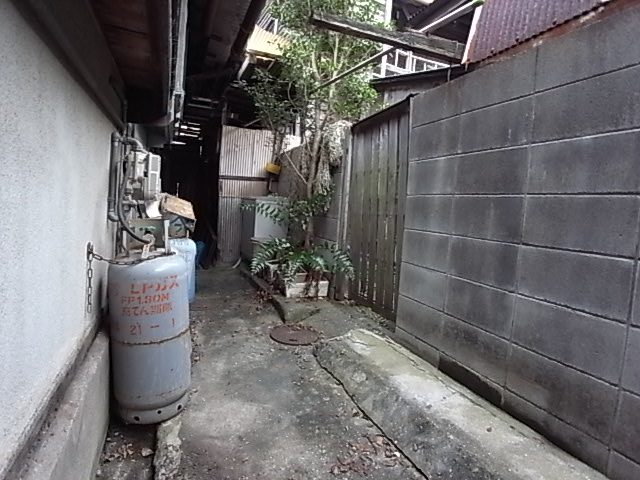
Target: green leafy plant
[294, 212]
[293, 94]
[290, 260]
[311, 57]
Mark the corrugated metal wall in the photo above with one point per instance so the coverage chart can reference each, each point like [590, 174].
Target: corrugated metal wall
[244, 152]
[502, 24]
[243, 155]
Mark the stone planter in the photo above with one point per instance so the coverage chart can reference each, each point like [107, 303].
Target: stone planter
[271, 273]
[300, 288]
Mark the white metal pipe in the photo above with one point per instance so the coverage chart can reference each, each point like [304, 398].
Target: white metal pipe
[114, 168]
[472, 33]
[115, 199]
[134, 142]
[181, 60]
[120, 211]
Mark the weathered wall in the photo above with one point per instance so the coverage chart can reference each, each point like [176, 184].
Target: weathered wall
[520, 257]
[54, 161]
[244, 152]
[326, 226]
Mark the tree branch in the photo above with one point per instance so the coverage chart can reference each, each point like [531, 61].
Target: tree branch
[314, 67]
[295, 169]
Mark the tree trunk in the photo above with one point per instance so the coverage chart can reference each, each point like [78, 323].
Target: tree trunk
[313, 170]
[308, 233]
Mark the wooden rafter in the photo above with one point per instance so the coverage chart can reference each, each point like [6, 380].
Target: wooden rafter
[430, 46]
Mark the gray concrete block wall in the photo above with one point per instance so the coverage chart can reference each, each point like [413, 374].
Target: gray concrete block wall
[520, 257]
[631, 372]
[326, 226]
[558, 221]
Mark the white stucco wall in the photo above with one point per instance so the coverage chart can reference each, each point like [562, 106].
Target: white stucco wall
[54, 159]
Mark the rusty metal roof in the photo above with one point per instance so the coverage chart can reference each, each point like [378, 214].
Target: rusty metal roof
[503, 24]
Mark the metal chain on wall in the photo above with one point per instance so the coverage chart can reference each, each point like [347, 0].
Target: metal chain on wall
[91, 256]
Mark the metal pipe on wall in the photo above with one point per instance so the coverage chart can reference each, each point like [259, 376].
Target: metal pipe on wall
[120, 211]
[117, 141]
[116, 188]
[114, 169]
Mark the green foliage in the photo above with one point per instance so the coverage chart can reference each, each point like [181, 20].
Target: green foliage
[310, 58]
[293, 212]
[291, 260]
[337, 260]
[295, 13]
[272, 250]
[277, 115]
[313, 56]
[277, 212]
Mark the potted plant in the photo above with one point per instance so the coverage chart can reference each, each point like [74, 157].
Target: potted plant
[298, 268]
[300, 271]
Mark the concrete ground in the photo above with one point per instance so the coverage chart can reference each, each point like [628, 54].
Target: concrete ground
[128, 452]
[261, 410]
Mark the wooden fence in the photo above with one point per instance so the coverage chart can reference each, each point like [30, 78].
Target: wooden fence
[374, 213]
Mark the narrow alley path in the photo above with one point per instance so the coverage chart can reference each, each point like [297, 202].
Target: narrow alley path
[263, 411]
[260, 410]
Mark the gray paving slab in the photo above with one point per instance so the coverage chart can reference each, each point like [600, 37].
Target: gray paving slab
[448, 432]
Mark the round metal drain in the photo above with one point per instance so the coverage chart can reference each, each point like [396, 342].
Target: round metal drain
[294, 335]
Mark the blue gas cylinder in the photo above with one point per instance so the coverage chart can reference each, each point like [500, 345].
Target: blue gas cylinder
[186, 248]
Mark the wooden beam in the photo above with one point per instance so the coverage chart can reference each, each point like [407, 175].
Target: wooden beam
[159, 16]
[429, 46]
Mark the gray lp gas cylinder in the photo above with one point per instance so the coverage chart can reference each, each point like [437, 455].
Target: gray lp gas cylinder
[150, 341]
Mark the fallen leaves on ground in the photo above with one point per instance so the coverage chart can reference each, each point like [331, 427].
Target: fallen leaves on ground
[121, 452]
[264, 296]
[368, 454]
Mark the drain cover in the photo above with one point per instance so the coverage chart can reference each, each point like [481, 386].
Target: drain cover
[294, 335]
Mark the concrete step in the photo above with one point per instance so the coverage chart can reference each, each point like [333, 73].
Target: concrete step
[446, 430]
[69, 443]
